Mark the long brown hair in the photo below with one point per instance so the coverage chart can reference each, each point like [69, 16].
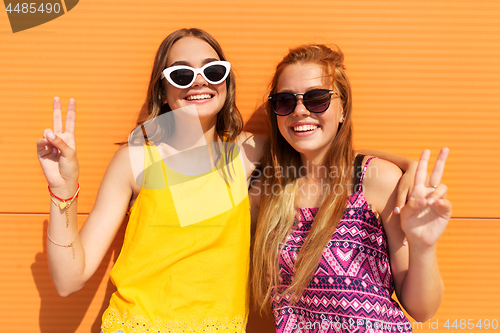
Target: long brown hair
[277, 209]
[229, 122]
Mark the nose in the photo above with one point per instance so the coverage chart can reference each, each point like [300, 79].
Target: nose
[200, 81]
[300, 108]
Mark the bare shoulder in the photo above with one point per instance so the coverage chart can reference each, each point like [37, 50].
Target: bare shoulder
[123, 167]
[122, 153]
[252, 148]
[380, 184]
[251, 139]
[381, 173]
[252, 144]
[124, 158]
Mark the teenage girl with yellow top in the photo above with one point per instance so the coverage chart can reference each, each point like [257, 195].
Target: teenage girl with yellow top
[183, 265]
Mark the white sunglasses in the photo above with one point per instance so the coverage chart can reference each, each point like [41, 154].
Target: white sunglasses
[183, 76]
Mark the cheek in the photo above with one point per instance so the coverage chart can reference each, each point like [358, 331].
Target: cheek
[169, 94]
[281, 121]
[333, 115]
[222, 91]
[223, 94]
[337, 103]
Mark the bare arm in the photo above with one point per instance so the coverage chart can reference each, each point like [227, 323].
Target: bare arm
[407, 165]
[423, 221]
[404, 163]
[252, 148]
[415, 270]
[74, 257]
[254, 194]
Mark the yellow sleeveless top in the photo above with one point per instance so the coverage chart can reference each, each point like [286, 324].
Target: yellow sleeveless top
[185, 258]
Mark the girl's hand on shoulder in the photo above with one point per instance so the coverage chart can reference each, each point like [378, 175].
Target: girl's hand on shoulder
[251, 148]
[427, 212]
[57, 151]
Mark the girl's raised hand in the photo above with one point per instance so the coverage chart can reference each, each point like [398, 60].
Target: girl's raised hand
[57, 151]
[426, 214]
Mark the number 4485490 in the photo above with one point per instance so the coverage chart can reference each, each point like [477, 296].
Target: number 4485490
[470, 324]
[26, 8]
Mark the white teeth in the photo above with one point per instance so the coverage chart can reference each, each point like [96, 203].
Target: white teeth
[305, 128]
[198, 97]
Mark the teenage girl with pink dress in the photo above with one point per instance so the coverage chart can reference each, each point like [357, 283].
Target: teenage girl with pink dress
[329, 250]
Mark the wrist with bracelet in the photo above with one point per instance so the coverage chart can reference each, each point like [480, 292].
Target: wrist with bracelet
[64, 204]
[62, 245]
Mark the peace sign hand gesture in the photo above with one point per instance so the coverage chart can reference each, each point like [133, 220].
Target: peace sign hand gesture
[57, 151]
[425, 216]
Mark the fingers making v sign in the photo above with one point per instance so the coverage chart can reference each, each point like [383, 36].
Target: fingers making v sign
[426, 215]
[57, 151]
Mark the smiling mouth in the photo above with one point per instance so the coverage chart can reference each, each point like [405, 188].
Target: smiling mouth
[305, 128]
[199, 97]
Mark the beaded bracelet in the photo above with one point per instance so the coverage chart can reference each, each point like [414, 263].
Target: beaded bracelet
[64, 203]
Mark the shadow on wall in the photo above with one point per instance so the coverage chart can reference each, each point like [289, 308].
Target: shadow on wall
[257, 123]
[259, 322]
[59, 314]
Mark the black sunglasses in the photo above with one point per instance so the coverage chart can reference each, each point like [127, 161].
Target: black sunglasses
[315, 100]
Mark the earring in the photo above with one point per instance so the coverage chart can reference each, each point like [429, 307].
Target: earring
[342, 119]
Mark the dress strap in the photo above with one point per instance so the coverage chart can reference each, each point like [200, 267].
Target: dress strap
[357, 172]
[364, 170]
[144, 134]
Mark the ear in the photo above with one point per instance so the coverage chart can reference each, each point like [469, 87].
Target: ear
[342, 119]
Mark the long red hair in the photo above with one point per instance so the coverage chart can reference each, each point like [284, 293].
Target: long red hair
[278, 209]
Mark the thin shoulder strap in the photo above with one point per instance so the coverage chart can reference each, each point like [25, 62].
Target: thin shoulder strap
[357, 167]
[148, 145]
[364, 170]
[144, 134]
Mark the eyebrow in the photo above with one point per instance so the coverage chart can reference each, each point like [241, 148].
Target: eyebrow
[187, 63]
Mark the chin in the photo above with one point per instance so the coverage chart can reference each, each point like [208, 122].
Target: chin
[206, 112]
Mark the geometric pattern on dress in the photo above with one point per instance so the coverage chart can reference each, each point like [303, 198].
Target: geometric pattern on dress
[351, 289]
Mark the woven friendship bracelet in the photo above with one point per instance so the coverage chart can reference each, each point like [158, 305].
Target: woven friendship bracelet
[55, 196]
[64, 203]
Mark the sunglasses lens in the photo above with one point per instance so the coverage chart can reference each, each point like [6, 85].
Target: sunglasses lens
[317, 100]
[283, 103]
[182, 77]
[215, 73]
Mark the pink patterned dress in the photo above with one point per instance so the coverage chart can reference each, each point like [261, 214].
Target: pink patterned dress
[352, 286]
